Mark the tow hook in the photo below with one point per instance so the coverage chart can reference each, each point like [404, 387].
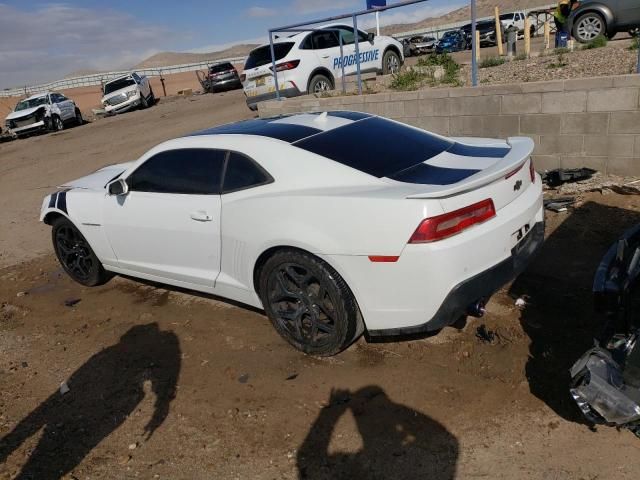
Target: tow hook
[476, 309]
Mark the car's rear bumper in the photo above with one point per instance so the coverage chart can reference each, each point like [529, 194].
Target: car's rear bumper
[226, 84]
[252, 102]
[432, 284]
[480, 287]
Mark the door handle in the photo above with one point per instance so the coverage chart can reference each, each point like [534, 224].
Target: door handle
[326, 56]
[201, 216]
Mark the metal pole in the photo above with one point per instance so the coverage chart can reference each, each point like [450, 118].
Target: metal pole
[273, 65]
[377, 23]
[638, 40]
[474, 46]
[356, 39]
[344, 86]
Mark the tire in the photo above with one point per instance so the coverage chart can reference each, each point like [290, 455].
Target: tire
[57, 124]
[79, 119]
[308, 303]
[75, 254]
[144, 104]
[588, 26]
[320, 83]
[390, 62]
[152, 98]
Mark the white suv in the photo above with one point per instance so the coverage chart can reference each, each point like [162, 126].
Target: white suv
[310, 62]
[127, 92]
[43, 111]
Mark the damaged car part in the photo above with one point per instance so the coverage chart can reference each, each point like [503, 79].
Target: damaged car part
[605, 381]
[557, 177]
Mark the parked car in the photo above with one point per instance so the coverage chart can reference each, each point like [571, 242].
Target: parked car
[419, 45]
[223, 76]
[604, 17]
[44, 111]
[310, 62]
[325, 220]
[452, 41]
[487, 29]
[129, 91]
[516, 19]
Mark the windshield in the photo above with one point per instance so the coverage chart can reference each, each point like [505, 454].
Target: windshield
[30, 103]
[506, 16]
[221, 67]
[262, 56]
[449, 35]
[118, 84]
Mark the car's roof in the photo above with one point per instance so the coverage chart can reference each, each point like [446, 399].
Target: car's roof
[288, 37]
[127, 75]
[370, 144]
[38, 95]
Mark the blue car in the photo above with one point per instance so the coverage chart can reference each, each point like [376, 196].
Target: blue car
[452, 41]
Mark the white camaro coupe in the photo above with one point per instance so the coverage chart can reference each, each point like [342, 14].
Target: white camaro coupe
[334, 223]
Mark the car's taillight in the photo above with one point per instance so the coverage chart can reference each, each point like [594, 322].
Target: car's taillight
[532, 171]
[243, 77]
[448, 224]
[286, 65]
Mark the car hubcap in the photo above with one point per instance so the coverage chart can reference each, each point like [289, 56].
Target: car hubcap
[58, 124]
[74, 253]
[321, 86]
[589, 28]
[301, 305]
[393, 64]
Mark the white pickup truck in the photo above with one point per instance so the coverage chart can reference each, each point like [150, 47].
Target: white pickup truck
[124, 93]
[516, 19]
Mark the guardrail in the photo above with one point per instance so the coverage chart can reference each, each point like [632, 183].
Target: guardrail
[100, 78]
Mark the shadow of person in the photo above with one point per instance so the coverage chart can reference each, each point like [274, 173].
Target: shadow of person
[103, 392]
[560, 321]
[398, 442]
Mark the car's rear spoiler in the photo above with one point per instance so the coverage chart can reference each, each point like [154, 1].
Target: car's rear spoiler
[521, 149]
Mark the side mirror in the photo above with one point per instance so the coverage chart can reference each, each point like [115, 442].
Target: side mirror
[371, 36]
[118, 187]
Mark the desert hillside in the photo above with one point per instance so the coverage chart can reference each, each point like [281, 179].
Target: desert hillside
[165, 59]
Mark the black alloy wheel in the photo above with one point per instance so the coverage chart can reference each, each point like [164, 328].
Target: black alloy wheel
[309, 304]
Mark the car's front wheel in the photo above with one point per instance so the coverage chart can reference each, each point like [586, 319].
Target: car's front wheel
[79, 119]
[56, 124]
[390, 62]
[75, 254]
[589, 26]
[308, 303]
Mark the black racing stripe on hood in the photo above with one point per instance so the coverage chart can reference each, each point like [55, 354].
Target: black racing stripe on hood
[52, 199]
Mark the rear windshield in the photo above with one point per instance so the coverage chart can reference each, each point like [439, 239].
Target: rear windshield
[118, 84]
[376, 146]
[221, 67]
[262, 56]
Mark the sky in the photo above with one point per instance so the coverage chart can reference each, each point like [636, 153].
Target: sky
[44, 41]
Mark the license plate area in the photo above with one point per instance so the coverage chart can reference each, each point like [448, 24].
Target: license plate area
[519, 235]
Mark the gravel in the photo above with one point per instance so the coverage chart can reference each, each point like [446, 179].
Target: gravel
[610, 60]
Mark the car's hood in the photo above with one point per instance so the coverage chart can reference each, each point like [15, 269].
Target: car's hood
[23, 113]
[126, 89]
[98, 179]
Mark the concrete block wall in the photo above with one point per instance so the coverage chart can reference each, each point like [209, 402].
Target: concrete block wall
[592, 122]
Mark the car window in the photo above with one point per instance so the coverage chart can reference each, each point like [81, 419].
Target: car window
[347, 35]
[324, 39]
[136, 77]
[195, 171]
[262, 55]
[242, 173]
[57, 98]
[220, 67]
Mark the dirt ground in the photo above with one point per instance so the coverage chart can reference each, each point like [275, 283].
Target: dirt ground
[168, 384]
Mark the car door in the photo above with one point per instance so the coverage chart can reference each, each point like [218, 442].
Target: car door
[59, 106]
[628, 14]
[143, 83]
[168, 225]
[370, 55]
[326, 48]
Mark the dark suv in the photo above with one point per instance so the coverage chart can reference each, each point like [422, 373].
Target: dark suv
[222, 76]
[604, 17]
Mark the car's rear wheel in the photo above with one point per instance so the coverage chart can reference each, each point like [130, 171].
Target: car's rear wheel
[75, 254]
[589, 26]
[308, 303]
[79, 119]
[320, 83]
[390, 62]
